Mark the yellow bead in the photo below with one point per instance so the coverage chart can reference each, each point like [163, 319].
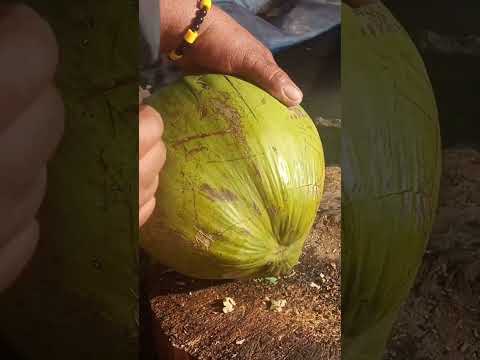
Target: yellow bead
[174, 56]
[206, 3]
[191, 36]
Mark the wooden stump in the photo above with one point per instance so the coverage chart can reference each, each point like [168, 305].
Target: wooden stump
[189, 324]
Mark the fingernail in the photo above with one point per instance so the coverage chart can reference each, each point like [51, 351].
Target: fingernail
[293, 93]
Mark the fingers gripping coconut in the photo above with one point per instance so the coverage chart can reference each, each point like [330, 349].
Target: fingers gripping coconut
[31, 124]
[152, 155]
[223, 46]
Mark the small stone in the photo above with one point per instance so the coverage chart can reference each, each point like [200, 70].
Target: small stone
[315, 286]
[240, 342]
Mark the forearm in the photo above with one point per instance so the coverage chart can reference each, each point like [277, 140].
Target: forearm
[175, 18]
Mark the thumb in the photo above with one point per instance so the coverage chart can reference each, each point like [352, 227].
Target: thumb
[265, 72]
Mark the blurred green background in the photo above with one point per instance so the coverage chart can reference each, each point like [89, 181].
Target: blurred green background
[79, 296]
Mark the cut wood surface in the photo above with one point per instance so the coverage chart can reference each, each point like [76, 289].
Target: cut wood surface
[188, 317]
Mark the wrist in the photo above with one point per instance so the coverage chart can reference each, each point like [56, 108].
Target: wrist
[176, 18]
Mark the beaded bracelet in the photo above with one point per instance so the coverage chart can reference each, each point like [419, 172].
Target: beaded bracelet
[192, 34]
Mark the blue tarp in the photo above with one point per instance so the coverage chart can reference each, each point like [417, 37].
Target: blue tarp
[287, 24]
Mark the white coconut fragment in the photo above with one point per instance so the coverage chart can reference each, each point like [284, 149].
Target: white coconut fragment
[278, 305]
[228, 305]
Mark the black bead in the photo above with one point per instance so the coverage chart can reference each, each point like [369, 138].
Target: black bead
[184, 46]
[202, 12]
[195, 27]
[197, 22]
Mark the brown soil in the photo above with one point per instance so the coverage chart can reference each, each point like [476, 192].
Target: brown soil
[189, 322]
[441, 319]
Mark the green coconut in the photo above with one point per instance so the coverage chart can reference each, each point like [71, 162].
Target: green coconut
[390, 170]
[242, 182]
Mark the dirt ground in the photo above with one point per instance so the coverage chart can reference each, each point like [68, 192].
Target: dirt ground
[189, 313]
[441, 319]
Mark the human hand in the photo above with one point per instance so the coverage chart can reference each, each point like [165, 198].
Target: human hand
[225, 47]
[152, 155]
[31, 125]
